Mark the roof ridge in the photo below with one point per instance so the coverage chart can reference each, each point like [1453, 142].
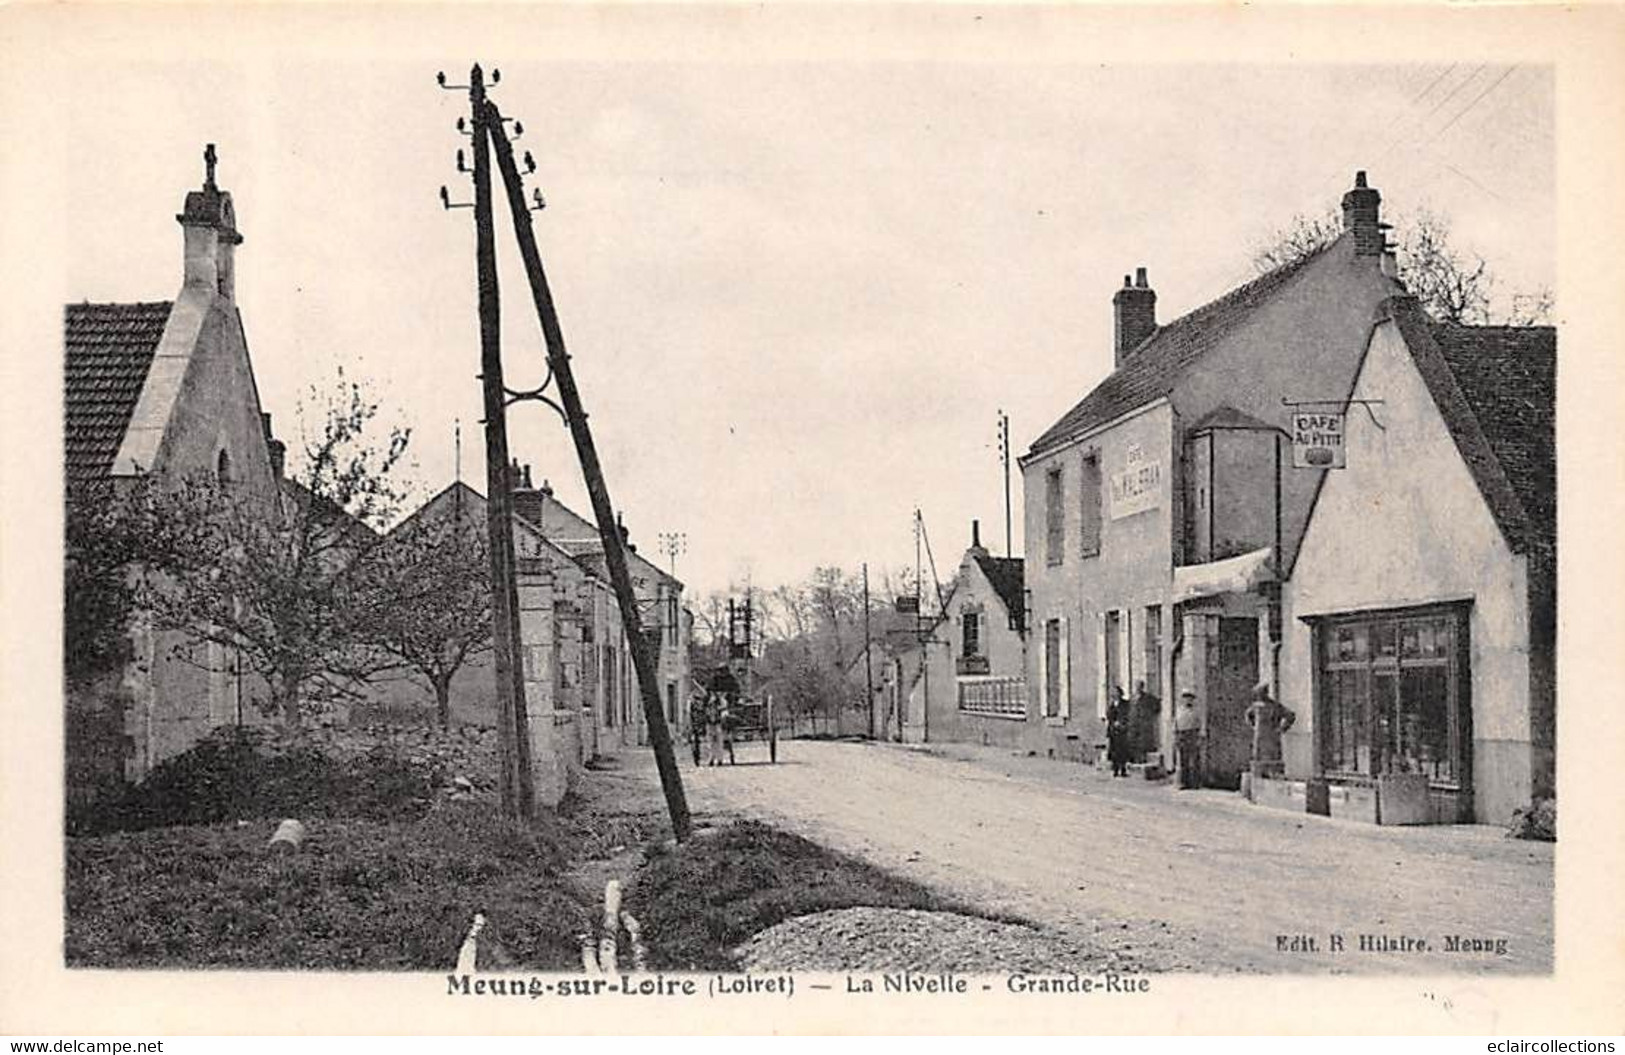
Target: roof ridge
[1235, 293]
[1148, 372]
[116, 303]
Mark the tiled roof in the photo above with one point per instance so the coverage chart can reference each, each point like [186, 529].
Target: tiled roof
[1153, 367]
[109, 349]
[1509, 376]
[1495, 387]
[1005, 573]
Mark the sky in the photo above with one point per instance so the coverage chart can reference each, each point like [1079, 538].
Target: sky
[797, 289]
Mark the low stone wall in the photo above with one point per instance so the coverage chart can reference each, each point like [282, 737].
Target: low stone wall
[468, 752]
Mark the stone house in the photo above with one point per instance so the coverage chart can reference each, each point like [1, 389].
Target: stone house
[165, 390]
[660, 609]
[978, 653]
[1420, 614]
[578, 661]
[1159, 517]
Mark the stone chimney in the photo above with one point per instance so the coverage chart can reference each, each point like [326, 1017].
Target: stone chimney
[1134, 310]
[1362, 215]
[976, 537]
[210, 224]
[527, 501]
[275, 447]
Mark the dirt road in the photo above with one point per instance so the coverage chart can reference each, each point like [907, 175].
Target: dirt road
[1170, 880]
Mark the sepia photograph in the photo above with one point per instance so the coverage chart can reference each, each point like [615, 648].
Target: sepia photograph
[557, 504]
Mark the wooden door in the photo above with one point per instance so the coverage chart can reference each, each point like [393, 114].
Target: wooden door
[1231, 677]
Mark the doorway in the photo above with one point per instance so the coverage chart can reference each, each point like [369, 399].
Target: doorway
[1232, 674]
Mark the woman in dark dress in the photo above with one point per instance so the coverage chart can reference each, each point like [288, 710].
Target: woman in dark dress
[1119, 730]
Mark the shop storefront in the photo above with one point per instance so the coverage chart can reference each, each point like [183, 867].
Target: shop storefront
[1393, 697]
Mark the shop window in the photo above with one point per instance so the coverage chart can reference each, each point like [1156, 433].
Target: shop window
[1089, 507]
[1395, 697]
[1055, 517]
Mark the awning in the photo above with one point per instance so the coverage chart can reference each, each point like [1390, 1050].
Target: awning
[1241, 574]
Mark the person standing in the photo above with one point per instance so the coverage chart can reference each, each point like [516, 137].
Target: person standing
[697, 707]
[1146, 716]
[1188, 738]
[1269, 720]
[1118, 726]
[713, 729]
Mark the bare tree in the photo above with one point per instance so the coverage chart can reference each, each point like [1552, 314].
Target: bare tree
[274, 586]
[1453, 285]
[430, 581]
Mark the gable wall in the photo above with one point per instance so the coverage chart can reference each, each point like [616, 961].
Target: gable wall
[1004, 648]
[1405, 524]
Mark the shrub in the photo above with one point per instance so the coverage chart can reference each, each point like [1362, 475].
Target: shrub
[1536, 821]
[240, 773]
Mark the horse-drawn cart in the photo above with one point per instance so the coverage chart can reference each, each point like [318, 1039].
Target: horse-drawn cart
[748, 720]
[741, 719]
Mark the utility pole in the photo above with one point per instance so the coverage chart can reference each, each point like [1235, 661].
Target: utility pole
[575, 416]
[919, 620]
[517, 789]
[868, 652]
[672, 544]
[1004, 454]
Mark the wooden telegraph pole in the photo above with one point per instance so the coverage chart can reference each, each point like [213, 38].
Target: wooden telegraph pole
[868, 652]
[517, 789]
[489, 123]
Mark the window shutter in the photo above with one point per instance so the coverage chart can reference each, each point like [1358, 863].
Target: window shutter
[1066, 667]
[1044, 682]
[1100, 666]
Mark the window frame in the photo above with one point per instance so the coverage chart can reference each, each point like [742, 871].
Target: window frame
[1054, 517]
[970, 633]
[1382, 659]
[1091, 508]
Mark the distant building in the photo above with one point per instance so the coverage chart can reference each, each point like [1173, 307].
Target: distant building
[978, 653]
[1420, 616]
[1159, 515]
[660, 605]
[165, 389]
[578, 660]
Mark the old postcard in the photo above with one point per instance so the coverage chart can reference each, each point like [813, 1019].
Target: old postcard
[923, 518]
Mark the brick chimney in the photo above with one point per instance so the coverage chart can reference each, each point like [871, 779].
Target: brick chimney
[210, 224]
[1134, 310]
[976, 537]
[1362, 215]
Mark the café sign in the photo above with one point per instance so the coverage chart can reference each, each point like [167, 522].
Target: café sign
[1138, 487]
[1317, 440]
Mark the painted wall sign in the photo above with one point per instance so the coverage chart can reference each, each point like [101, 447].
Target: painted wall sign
[1317, 440]
[1138, 487]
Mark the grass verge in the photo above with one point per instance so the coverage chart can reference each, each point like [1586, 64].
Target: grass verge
[359, 895]
[700, 902]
